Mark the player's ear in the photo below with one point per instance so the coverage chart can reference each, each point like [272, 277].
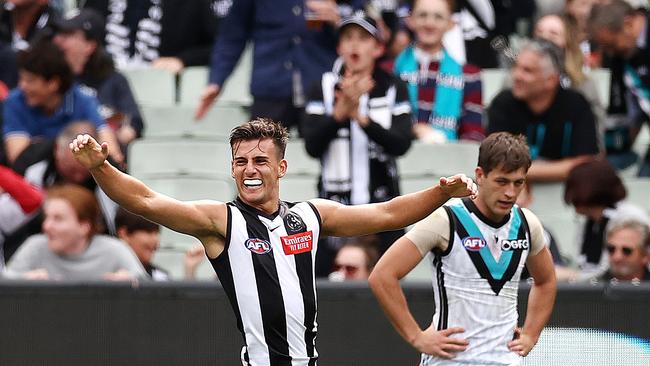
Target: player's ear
[283, 168]
[480, 175]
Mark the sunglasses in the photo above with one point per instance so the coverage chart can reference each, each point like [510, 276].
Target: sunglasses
[626, 251]
[346, 268]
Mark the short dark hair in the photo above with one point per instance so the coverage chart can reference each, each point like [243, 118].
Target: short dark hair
[594, 183]
[46, 60]
[258, 129]
[505, 150]
[132, 222]
[609, 16]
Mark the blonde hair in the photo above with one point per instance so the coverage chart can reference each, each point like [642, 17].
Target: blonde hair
[574, 60]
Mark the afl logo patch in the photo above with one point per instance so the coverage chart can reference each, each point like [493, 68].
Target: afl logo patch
[473, 243]
[257, 246]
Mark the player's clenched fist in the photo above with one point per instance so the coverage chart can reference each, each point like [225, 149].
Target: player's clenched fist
[88, 152]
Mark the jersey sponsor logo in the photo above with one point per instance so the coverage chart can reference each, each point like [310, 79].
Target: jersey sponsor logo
[473, 243]
[297, 243]
[514, 244]
[257, 246]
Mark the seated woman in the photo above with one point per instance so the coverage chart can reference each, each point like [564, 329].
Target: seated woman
[70, 248]
[598, 194]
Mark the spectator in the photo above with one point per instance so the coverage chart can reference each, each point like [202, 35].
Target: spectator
[288, 56]
[445, 96]
[46, 101]
[355, 260]
[596, 192]
[80, 37]
[557, 122]
[628, 243]
[143, 236]
[166, 34]
[577, 13]
[47, 163]
[357, 122]
[24, 21]
[9, 70]
[70, 248]
[18, 201]
[622, 32]
[560, 32]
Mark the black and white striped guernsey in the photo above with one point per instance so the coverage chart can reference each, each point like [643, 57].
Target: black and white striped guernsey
[267, 271]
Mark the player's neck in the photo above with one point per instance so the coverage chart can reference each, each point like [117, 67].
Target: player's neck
[487, 212]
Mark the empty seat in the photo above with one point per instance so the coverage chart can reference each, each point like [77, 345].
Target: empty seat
[298, 188]
[299, 162]
[152, 86]
[439, 160]
[492, 83]
[195, 157]
[178, 121]
[638, 190]
[235, 91]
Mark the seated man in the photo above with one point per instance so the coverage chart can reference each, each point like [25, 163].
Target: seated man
[357, 122]
[46, 101]
[445, 95]
[558, 123]
[143, 236]
[628, 243]
[69, 248]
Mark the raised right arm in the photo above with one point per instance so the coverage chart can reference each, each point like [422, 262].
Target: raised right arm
[202, 219]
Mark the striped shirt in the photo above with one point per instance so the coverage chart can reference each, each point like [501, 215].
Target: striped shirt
[267, 272]
[477, 265]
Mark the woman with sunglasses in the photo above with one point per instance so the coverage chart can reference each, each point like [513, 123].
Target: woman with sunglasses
[597, 193]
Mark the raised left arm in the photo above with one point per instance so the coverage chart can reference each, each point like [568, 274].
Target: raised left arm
[540, 302]
[342, 220]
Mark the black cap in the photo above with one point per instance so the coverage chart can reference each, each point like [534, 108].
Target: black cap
[364, 22]
[87, 20]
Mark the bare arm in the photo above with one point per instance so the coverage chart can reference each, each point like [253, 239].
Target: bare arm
[399, 260]
[205, 220]
[540, 302]
[14, 145]
[342, 220]
[554, 171]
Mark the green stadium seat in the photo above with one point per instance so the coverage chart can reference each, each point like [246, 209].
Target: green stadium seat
[152, 86]
[149, 158]
[492, 83]
[299, 162]
[235, 91]
[178, 121]
[439, 160]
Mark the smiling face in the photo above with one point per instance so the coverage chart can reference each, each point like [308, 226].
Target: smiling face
[498, 191]
[37, 90]
[551, 28]
[429, 20]
[257, 168]
[64, 231]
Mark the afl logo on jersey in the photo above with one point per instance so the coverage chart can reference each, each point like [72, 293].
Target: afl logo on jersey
[258, 246]
[473, 243]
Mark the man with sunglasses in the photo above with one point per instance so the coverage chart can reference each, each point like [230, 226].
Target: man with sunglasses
[628, 244]
[557, 122]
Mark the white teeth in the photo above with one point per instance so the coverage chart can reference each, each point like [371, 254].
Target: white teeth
[252, 182]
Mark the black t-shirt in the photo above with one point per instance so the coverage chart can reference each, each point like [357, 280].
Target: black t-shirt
[567, 128]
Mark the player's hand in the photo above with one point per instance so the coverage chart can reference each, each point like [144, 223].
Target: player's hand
[439, 343]
[522, 343]
[193, 257]
[459, 185]
[88, 152]
[208, 97]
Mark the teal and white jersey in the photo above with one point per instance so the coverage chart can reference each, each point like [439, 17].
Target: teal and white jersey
[476, 270]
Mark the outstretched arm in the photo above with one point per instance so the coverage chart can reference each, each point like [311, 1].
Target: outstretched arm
[398, 261]
[342, 220]
[540, 302]
[202, 219]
